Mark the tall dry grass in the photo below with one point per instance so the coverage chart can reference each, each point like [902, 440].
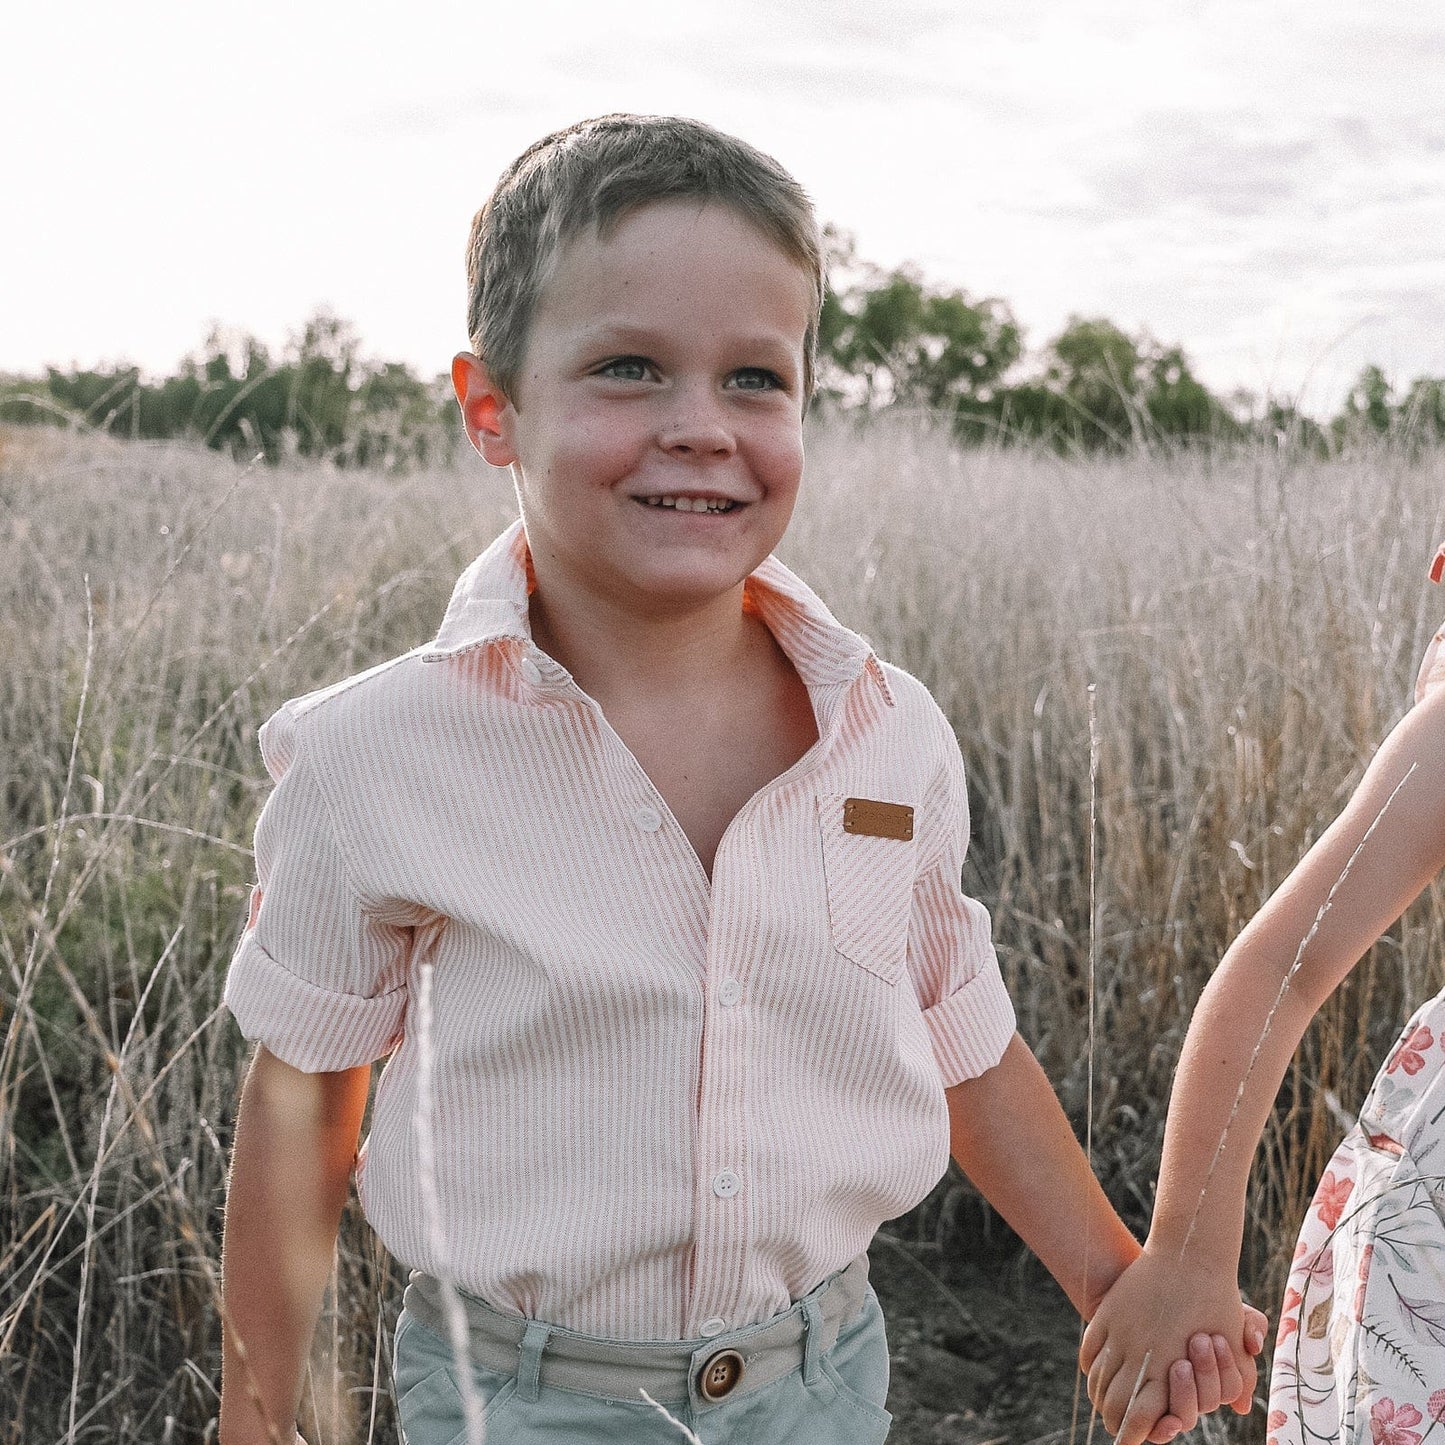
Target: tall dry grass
[1249, 623]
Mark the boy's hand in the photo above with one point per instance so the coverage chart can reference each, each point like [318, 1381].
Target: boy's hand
[1199, 1340]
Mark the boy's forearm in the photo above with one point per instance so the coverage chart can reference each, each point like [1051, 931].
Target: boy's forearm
[295, 1145]
[1011, 1137]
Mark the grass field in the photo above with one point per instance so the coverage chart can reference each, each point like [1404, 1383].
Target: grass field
[1248, 623]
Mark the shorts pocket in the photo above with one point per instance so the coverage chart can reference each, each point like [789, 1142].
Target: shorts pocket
[873, 1418]
[858, 1363]
[429, 1400]
[870, 890]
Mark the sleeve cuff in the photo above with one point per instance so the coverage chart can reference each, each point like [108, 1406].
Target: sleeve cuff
[972, 1027]
[315, 1030]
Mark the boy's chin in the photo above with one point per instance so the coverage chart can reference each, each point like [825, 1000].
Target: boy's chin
[667, 592]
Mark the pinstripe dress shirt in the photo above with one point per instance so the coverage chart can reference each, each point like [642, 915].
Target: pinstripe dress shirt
[663, 1105]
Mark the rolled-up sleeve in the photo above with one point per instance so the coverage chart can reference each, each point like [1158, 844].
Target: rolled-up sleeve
[951, 956]
[317, 977]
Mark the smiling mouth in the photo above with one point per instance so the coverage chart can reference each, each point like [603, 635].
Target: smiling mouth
[714, 505]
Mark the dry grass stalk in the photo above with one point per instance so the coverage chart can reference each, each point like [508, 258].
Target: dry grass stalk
[436, 1230]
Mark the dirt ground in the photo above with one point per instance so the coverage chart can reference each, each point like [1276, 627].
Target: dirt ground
[983, 1347]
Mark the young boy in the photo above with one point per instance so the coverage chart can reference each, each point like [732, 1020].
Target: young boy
[672, 861]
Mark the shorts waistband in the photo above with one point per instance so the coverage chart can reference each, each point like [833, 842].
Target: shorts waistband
[736, 1363]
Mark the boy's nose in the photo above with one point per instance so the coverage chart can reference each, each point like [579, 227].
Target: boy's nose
[695, 427]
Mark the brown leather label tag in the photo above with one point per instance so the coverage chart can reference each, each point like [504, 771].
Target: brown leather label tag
[877, 820]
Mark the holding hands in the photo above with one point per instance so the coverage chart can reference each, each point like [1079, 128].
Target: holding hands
[1199, 1337]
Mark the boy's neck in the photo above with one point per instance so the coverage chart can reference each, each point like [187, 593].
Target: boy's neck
[611, 652]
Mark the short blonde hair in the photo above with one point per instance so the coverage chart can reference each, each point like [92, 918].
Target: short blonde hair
[593, 174]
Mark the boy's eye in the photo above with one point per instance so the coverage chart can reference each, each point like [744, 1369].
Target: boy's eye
[757, 378]
[626, 368]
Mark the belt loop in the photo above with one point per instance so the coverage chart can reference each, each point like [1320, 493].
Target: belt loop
[529, 1366]
[812, 1337]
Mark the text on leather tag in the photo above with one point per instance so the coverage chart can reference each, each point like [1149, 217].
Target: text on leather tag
[877, 820]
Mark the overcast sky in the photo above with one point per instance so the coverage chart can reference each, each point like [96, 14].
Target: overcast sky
[1261, 181]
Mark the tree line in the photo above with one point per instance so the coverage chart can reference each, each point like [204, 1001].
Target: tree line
[887, 338]
[891, 338]
[320, 398]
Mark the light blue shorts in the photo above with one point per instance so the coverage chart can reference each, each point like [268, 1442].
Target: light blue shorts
[834, 1397]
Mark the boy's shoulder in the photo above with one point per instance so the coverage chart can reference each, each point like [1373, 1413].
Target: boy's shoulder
[340, 715]
[919, 712]
[392, 700]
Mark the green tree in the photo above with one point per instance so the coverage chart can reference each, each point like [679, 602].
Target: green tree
[323, 376]
[1369, 405]
[1097, 368]
[889, 337]
[1179, 404]
[1102, 387]
[1422, 412]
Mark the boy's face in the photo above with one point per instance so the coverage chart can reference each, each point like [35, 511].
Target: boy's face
[655, 429]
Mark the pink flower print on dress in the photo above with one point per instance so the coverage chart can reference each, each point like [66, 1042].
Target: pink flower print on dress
[1436, 1403]
[1410, 1056]
[1331, 1197]
[1365, 1258]
[1320, 1271]
[1288, 1320]
[1390, 1423]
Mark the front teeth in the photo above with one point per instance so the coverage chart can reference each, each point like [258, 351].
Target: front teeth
[690, 504]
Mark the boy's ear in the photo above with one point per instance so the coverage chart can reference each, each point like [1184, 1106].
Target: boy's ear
[486, 412]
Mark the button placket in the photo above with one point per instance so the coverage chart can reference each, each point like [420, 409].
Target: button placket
[726, 1222]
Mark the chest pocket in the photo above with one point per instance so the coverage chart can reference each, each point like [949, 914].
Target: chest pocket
[868, 860]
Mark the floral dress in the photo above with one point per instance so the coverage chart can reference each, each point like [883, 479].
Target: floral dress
[1360, 1357]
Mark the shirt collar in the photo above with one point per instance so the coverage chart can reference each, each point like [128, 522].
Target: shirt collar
[489, 604]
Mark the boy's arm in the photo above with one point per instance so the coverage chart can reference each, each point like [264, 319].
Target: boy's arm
[1011, 1137]
[1223, 1090]
[295, 1145]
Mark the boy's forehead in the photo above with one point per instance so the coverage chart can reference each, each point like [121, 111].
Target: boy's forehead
[675, 214]
[656, 238]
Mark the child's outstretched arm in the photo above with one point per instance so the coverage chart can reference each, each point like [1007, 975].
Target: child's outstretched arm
[1185, 1278]
[296, 1137]
[1013, 1140]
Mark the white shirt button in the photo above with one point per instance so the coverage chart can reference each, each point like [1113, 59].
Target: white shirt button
[713, 1327]
[730, 994]
[531, 671]
[726, 1184]
[648, 819]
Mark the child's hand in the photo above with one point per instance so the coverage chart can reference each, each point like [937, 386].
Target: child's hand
[1204, 1380]
[1172, 1314]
